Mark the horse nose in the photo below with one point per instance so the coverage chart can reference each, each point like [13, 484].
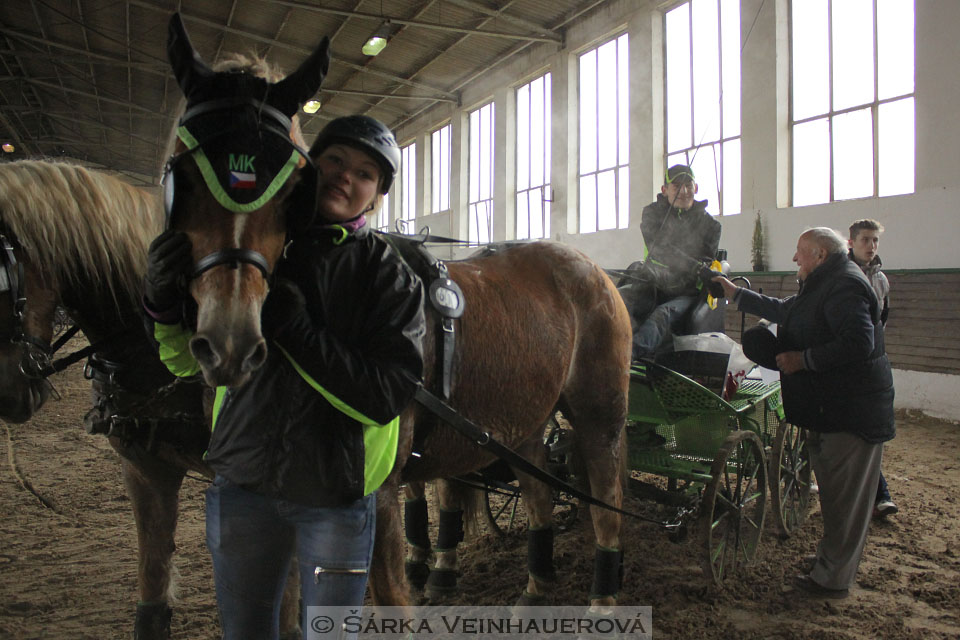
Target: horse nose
[255, 357]
[205, 352]
[212, 356]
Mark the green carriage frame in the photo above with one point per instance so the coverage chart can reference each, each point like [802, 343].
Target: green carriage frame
[719, 457]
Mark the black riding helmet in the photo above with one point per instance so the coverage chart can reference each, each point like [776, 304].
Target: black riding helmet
[368, 134]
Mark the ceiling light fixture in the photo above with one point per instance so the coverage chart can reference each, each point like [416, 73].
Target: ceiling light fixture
[378, 40]
[7, 147]
[311, 106]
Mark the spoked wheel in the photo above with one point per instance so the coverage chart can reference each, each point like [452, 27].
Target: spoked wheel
[790, 477]
[501, 500]
[734, 505]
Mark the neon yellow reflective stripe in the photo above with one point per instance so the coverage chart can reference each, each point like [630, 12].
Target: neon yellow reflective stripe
[343, 234]
[379, 440]
[213, 184]
[175, 349]
[217, 403]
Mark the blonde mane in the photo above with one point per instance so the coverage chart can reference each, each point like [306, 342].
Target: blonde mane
[80, 225]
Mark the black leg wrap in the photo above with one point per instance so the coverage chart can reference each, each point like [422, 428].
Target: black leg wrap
[153, 621]
[417, 573]
[607, 573]
[415, 522]
[450, 532]
[540, 554]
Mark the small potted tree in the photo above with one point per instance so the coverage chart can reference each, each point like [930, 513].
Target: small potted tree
[757, 247]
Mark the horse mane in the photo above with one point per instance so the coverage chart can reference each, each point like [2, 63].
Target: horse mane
[79, 225]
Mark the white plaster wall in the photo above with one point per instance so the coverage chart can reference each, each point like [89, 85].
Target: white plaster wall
[922, 228]
[935, 394]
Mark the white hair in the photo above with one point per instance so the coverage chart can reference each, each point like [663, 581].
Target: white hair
[827, 239]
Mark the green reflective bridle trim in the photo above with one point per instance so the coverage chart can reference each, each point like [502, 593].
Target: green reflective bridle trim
[210, 176]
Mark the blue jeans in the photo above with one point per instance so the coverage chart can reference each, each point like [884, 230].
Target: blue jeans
[252, 539]
[883, 493]
[651, 332]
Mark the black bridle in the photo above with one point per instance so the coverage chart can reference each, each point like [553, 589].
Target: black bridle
[37, 352]
[37, 360]
[270, 122]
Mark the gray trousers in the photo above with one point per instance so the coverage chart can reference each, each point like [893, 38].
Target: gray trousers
[848, 469]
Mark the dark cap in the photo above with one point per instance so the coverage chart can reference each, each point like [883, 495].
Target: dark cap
[761, 346]
[681, 171]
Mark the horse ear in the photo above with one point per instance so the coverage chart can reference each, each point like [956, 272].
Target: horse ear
[300, 85]
[184, 59]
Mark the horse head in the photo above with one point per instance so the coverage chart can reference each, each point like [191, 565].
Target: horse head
[237, 159]
[27, 309]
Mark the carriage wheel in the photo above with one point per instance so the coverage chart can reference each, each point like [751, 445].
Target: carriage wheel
[734, 505]
[500, 502]
[790, 477]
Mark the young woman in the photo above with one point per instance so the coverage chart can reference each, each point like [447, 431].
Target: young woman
[300, 450]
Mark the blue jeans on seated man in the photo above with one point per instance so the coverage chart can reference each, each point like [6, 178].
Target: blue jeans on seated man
[650, 332]
[252, 539]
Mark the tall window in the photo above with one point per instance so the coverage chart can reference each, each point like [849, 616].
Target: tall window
[853, 99]
[408, 186]
[533, 159]
[480, 200]
[703, 98]
[383, 218]
[604, 137]
[440, 164]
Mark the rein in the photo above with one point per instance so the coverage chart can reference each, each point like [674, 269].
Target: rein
[486, 441]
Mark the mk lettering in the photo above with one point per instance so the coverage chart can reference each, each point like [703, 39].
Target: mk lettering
[242, 162]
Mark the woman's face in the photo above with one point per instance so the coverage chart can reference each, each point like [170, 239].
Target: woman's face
[347, 182]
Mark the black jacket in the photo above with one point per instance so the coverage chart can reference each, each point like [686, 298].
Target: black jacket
[360, 340]
[678, 243]
[835, 321]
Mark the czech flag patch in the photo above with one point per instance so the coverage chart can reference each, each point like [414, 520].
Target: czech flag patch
[242, 180]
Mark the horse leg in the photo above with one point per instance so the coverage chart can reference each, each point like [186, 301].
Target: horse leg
[415, 530]
[442, 580]
[154, 493]
[388, 585]
[600, 450]
[538, 504]
[290, 604]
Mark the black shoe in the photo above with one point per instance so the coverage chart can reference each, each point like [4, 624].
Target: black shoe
[811, 588]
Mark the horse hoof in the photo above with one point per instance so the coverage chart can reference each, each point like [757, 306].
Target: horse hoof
[417, 574]
[441, 582]
[153, 621]
[528, 599]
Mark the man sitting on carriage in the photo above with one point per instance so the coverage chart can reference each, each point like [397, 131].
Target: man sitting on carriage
[680, 238]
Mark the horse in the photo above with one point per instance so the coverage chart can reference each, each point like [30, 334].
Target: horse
[78, 239]
[543, 329]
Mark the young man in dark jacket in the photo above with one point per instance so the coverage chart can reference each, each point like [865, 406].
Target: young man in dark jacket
[864, 243]
[837, 384]
[680, 237]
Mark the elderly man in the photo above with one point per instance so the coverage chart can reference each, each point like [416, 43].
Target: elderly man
[837, 384]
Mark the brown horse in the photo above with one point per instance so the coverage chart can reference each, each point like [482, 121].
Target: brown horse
[79, 238]
[544, 328]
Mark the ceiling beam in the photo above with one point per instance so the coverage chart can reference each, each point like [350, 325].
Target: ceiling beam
[377, 17]
[395, 96]
[289, 47]
[147, 67]
[56, 87]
